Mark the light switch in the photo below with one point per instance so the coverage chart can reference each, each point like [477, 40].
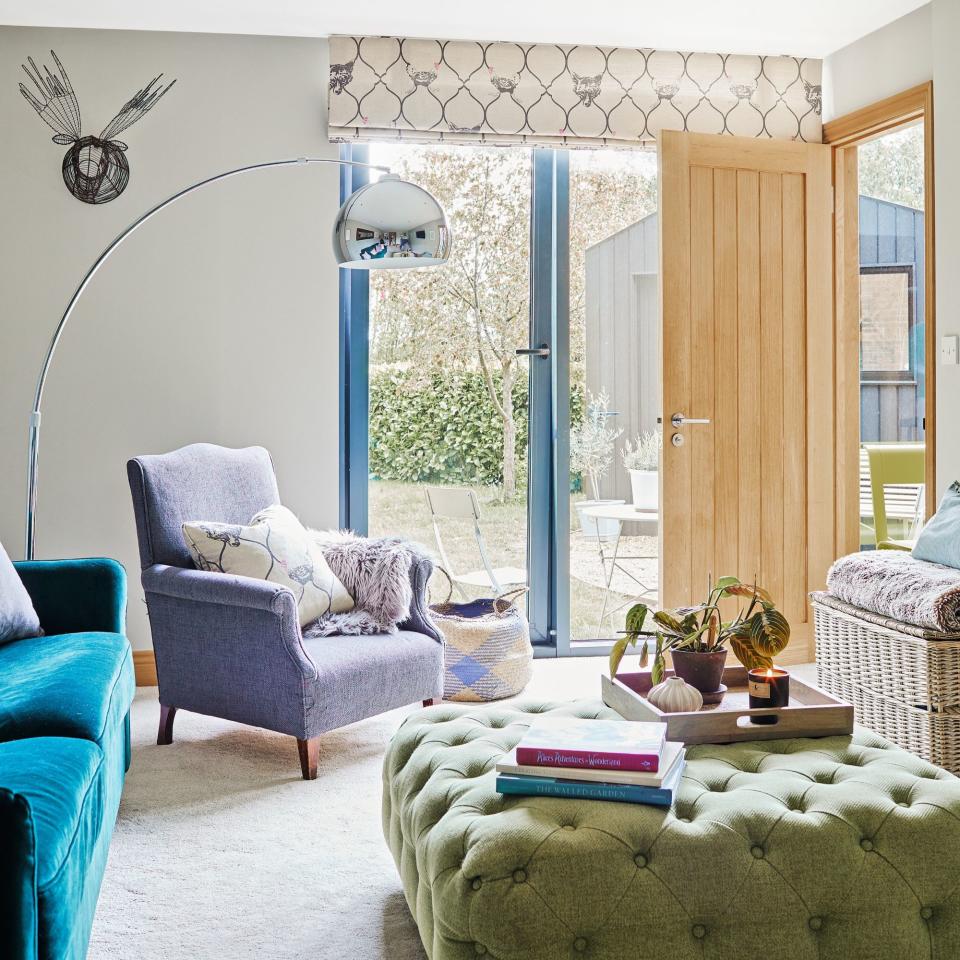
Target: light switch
[950, 350]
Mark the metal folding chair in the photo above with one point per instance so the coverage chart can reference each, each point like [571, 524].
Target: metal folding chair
[460, 503]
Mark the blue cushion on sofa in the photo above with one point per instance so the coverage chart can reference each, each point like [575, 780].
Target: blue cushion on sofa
[53, 803]
[939, 540]
[65, 685]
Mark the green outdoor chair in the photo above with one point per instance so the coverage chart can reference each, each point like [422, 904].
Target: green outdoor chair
[897, 465]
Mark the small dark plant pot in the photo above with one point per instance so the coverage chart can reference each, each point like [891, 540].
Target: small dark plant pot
[701, 670]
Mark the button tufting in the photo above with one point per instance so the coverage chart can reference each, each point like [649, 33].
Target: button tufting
[640, 860]
[519, 876]
[757, 852]
[580, 944]
[569, 826]
[926, 912]
[866, 845]
[902, 803]
[479, 949]
[476, 883]
[698, 930]
[815, 923]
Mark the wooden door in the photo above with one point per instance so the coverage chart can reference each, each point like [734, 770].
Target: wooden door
[748, 344]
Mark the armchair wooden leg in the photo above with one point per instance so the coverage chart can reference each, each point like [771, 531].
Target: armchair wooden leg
[165, 730]
[309, 751]
[429, 703]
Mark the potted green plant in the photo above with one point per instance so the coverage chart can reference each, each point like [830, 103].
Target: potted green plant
[591, 453]
[698, 638]
[641, 458]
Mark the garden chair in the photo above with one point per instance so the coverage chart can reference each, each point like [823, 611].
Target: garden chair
[899, 466]
[460, 503]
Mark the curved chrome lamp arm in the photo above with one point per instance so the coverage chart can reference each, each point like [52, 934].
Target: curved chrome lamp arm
[34, 447]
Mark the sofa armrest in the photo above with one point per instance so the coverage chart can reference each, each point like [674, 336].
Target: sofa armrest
[421, 569]
[71, 596]
[203, 588]
[18, 892]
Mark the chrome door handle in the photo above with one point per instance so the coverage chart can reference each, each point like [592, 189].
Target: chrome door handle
[679, 420]
[542, 351]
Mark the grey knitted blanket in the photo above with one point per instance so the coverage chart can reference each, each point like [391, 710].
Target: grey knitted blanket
[894, 584]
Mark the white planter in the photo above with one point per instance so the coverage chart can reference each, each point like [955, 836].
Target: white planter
[591, 526]
[646, 489]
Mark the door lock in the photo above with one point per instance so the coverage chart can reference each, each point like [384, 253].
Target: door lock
[677, 439]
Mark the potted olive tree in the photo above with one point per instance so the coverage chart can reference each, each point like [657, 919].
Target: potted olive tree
[698, 638]
[641, 458]
[591, 453]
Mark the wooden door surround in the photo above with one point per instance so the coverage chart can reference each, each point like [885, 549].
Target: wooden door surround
[748, 343]
[844, 135]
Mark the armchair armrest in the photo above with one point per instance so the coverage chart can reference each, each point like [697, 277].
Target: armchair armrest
[203, 588]
[421, 569]
[71, 596]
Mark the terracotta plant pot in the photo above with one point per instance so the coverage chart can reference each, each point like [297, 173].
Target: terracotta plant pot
[701, 670]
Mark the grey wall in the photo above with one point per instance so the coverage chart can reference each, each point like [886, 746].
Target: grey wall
[909, 51]
[887, 61]
[217, 321]
[946, 108]
[622, 345]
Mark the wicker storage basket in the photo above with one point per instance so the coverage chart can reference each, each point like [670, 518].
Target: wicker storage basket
[487, 653]
[903, 680]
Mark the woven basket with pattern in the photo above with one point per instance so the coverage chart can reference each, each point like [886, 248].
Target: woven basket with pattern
[903, 680]
[487, 653]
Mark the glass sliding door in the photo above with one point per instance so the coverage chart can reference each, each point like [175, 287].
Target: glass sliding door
[489, 399]
[448, 394]
[614, 388]
[892, 255]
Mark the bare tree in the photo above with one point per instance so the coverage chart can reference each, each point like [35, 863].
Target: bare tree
[474, 312]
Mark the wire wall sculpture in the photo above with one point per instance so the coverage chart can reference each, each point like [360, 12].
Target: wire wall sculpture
[95, 169]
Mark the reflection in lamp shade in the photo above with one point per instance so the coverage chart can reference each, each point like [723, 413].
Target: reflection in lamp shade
[392, 224]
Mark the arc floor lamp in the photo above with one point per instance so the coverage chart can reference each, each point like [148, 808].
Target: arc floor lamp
[390, 223]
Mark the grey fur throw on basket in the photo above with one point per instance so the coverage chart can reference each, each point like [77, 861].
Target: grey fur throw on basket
[376, 573]
[895, 584]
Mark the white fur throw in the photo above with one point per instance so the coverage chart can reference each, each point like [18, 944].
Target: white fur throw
[895, 584]
[376, 573]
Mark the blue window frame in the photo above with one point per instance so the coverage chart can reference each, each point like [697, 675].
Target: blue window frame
[354, 367]
[548, 501]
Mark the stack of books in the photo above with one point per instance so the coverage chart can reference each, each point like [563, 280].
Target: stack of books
[594, 760]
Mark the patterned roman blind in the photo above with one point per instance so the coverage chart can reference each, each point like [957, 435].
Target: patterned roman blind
[388, 88]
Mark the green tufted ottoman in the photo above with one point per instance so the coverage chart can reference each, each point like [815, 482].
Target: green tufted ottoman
[844, 848]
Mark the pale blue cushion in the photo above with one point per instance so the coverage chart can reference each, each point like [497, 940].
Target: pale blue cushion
[939, 540]
[18, 619]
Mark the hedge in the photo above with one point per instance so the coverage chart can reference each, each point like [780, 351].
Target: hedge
[443, 428]
[440, 429]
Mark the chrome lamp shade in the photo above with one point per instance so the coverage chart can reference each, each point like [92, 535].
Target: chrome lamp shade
[391, 224]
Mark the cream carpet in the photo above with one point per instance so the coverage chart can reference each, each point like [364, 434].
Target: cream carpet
[222, 851]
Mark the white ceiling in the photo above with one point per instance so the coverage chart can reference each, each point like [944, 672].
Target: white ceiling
[811, 28]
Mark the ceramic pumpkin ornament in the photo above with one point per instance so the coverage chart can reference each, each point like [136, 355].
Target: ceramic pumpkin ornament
[675, 695]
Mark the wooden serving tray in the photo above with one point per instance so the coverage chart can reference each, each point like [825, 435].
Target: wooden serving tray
[812, 711]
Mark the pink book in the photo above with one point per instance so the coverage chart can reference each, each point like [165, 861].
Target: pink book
[593, 744]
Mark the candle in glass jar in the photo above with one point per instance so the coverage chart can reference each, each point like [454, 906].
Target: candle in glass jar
[768, 687]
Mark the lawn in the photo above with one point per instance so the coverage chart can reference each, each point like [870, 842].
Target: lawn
[400, 509]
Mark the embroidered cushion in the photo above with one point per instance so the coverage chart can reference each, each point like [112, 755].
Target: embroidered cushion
[274, 546]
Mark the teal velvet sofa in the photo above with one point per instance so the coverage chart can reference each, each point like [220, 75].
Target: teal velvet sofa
[64, 750]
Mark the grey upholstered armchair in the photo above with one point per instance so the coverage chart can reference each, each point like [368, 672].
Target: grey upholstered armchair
[231, 646]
